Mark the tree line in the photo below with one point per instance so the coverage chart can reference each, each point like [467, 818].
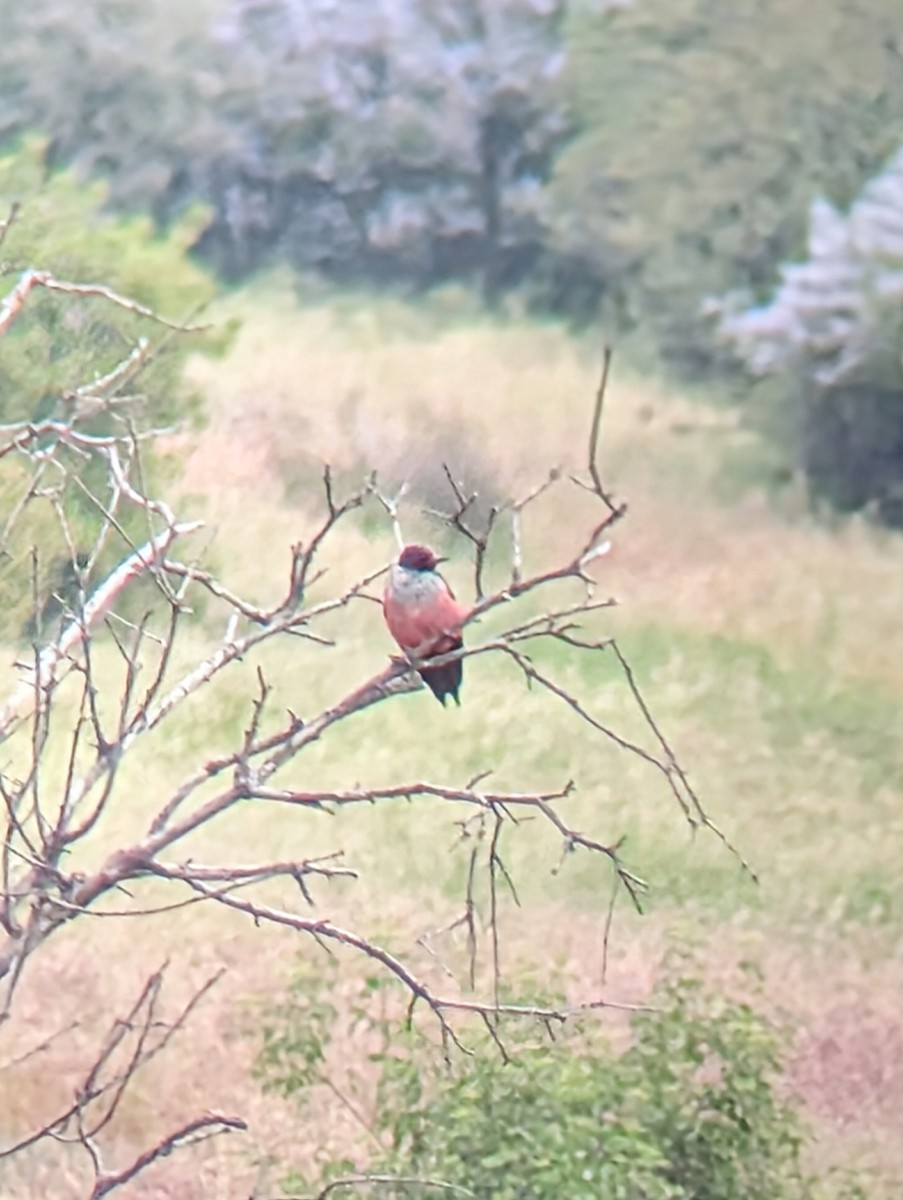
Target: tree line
[641, 161]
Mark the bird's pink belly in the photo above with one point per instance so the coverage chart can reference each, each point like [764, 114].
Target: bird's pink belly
[415, 628]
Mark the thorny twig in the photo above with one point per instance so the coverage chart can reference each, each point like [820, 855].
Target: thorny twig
[190, 1134]
[459, 520]
[11, 306]
[130, 1043]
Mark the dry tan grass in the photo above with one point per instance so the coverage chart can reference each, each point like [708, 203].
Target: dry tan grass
[365, 383]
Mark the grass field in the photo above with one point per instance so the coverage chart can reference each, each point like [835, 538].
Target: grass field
[769, 648]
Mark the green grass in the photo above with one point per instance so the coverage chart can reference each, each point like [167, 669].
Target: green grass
[801, 771]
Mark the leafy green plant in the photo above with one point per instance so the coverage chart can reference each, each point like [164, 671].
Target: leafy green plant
[58, 343]
[690, 1110]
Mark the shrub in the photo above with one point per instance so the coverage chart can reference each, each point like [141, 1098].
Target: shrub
[65, 228]
[59, 343]
[691, 1110]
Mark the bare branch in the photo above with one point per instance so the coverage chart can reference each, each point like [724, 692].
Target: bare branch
[198, 1130]
[390, 504]
[440, 1006]
[129, 1045]
[144, 559]
[30, 279]
[5, 225]
[479, 538]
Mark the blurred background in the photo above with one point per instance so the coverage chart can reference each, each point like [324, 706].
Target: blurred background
[415, 224]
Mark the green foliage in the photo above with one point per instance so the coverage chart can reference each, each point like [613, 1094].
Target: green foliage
[58, 343]
[707, 128]
[690, 1110]
[414, 141]
[296, 1034]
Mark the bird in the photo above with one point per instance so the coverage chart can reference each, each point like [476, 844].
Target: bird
[425, 619]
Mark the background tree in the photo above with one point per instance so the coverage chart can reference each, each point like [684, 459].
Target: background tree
[125, 91]
[391, 140]
[642, 155]
[831, 339]
[705, 132]
[367, 139]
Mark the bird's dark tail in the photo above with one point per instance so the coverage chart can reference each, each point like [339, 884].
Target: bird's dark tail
[445, 680]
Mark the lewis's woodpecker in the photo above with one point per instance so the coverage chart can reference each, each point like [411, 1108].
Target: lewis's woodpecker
[425, 618]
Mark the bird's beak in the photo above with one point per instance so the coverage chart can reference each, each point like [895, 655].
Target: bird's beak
[441, 560]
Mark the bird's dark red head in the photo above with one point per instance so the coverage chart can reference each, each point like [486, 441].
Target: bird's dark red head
[417, 558]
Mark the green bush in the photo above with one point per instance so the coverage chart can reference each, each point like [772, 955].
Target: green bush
[690, 1110]
[60, 342]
